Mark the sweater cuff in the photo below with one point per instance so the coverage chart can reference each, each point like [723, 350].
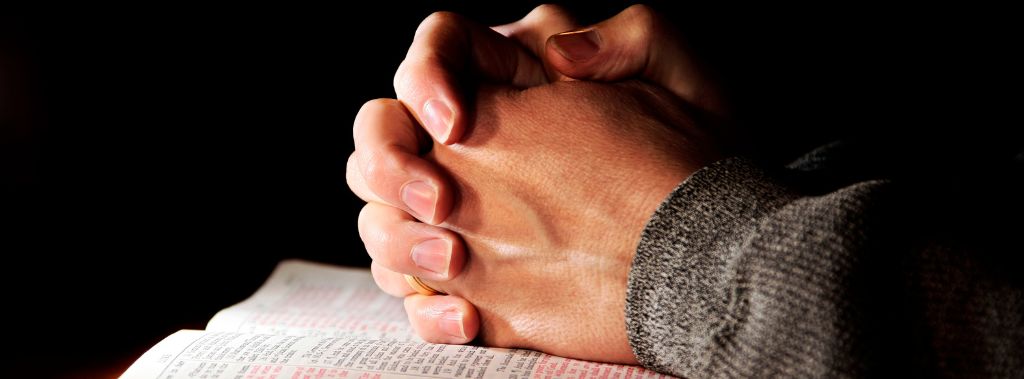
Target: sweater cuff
[678, 297]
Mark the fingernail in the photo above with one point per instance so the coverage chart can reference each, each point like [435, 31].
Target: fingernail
[578, 45]
[432, 255]
[421, 198]
[438, 117]
[451, 324]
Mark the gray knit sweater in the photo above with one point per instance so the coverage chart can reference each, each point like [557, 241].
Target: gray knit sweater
[742, 273]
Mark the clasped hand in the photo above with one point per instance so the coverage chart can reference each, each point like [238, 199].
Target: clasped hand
[518, 167]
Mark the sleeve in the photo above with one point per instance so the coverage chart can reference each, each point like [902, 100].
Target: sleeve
[740, 273]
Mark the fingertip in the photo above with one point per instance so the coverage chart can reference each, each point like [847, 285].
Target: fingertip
[637, 42]
[446, 50]
[577, 45]
[458, 125]
[429, 202]
[442, 319]
[428, 90]
[557, 58]
[438, 117]
[457, 259]
[442, 257]
[443, 113]
[445, 200]
[398, 243]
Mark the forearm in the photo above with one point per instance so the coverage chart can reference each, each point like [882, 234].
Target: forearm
[740, 274]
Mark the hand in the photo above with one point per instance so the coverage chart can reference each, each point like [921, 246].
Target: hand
[450, 51]
[555, 185]
[399, 177]
[426, 82]
[390, 158]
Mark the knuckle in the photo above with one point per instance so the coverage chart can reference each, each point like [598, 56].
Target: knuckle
[374, 165]
[377, 275]
[384, 236]
[375, 105]
[643, 17]
[352, 172]
[401, 77]
[376, 240]
[373, 168]
[367, 111]
[364, 223]
[364, 215]
[545, 12]
[436, 20]
[381, 277]
[382, 164]
[411, 77]
[370, 223]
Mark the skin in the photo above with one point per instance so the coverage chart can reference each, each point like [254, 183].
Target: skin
[556, 212]
[539, 187]
[555, 184]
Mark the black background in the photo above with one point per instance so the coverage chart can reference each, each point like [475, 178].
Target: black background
[158, 160]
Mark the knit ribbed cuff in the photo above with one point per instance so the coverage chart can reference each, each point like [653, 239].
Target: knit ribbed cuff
[676, 300]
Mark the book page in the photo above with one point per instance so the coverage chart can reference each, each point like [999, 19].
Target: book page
[198, 354]
[303, 298]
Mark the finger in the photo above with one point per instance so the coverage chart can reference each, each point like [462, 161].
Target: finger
[387, 153]
[533, 31]
[399, 243]
[447, 51]
[392, 283]
[357, 183]
[634, 43]
[442, 319]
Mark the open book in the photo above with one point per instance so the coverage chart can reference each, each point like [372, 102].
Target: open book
[312, 320]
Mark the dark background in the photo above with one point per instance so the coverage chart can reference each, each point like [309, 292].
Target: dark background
[158, 160]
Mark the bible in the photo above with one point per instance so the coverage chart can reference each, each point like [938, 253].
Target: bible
[312, 320]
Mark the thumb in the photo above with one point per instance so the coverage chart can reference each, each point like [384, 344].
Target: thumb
[634, 43]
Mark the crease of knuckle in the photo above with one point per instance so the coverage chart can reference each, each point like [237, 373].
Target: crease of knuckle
[384, 165]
